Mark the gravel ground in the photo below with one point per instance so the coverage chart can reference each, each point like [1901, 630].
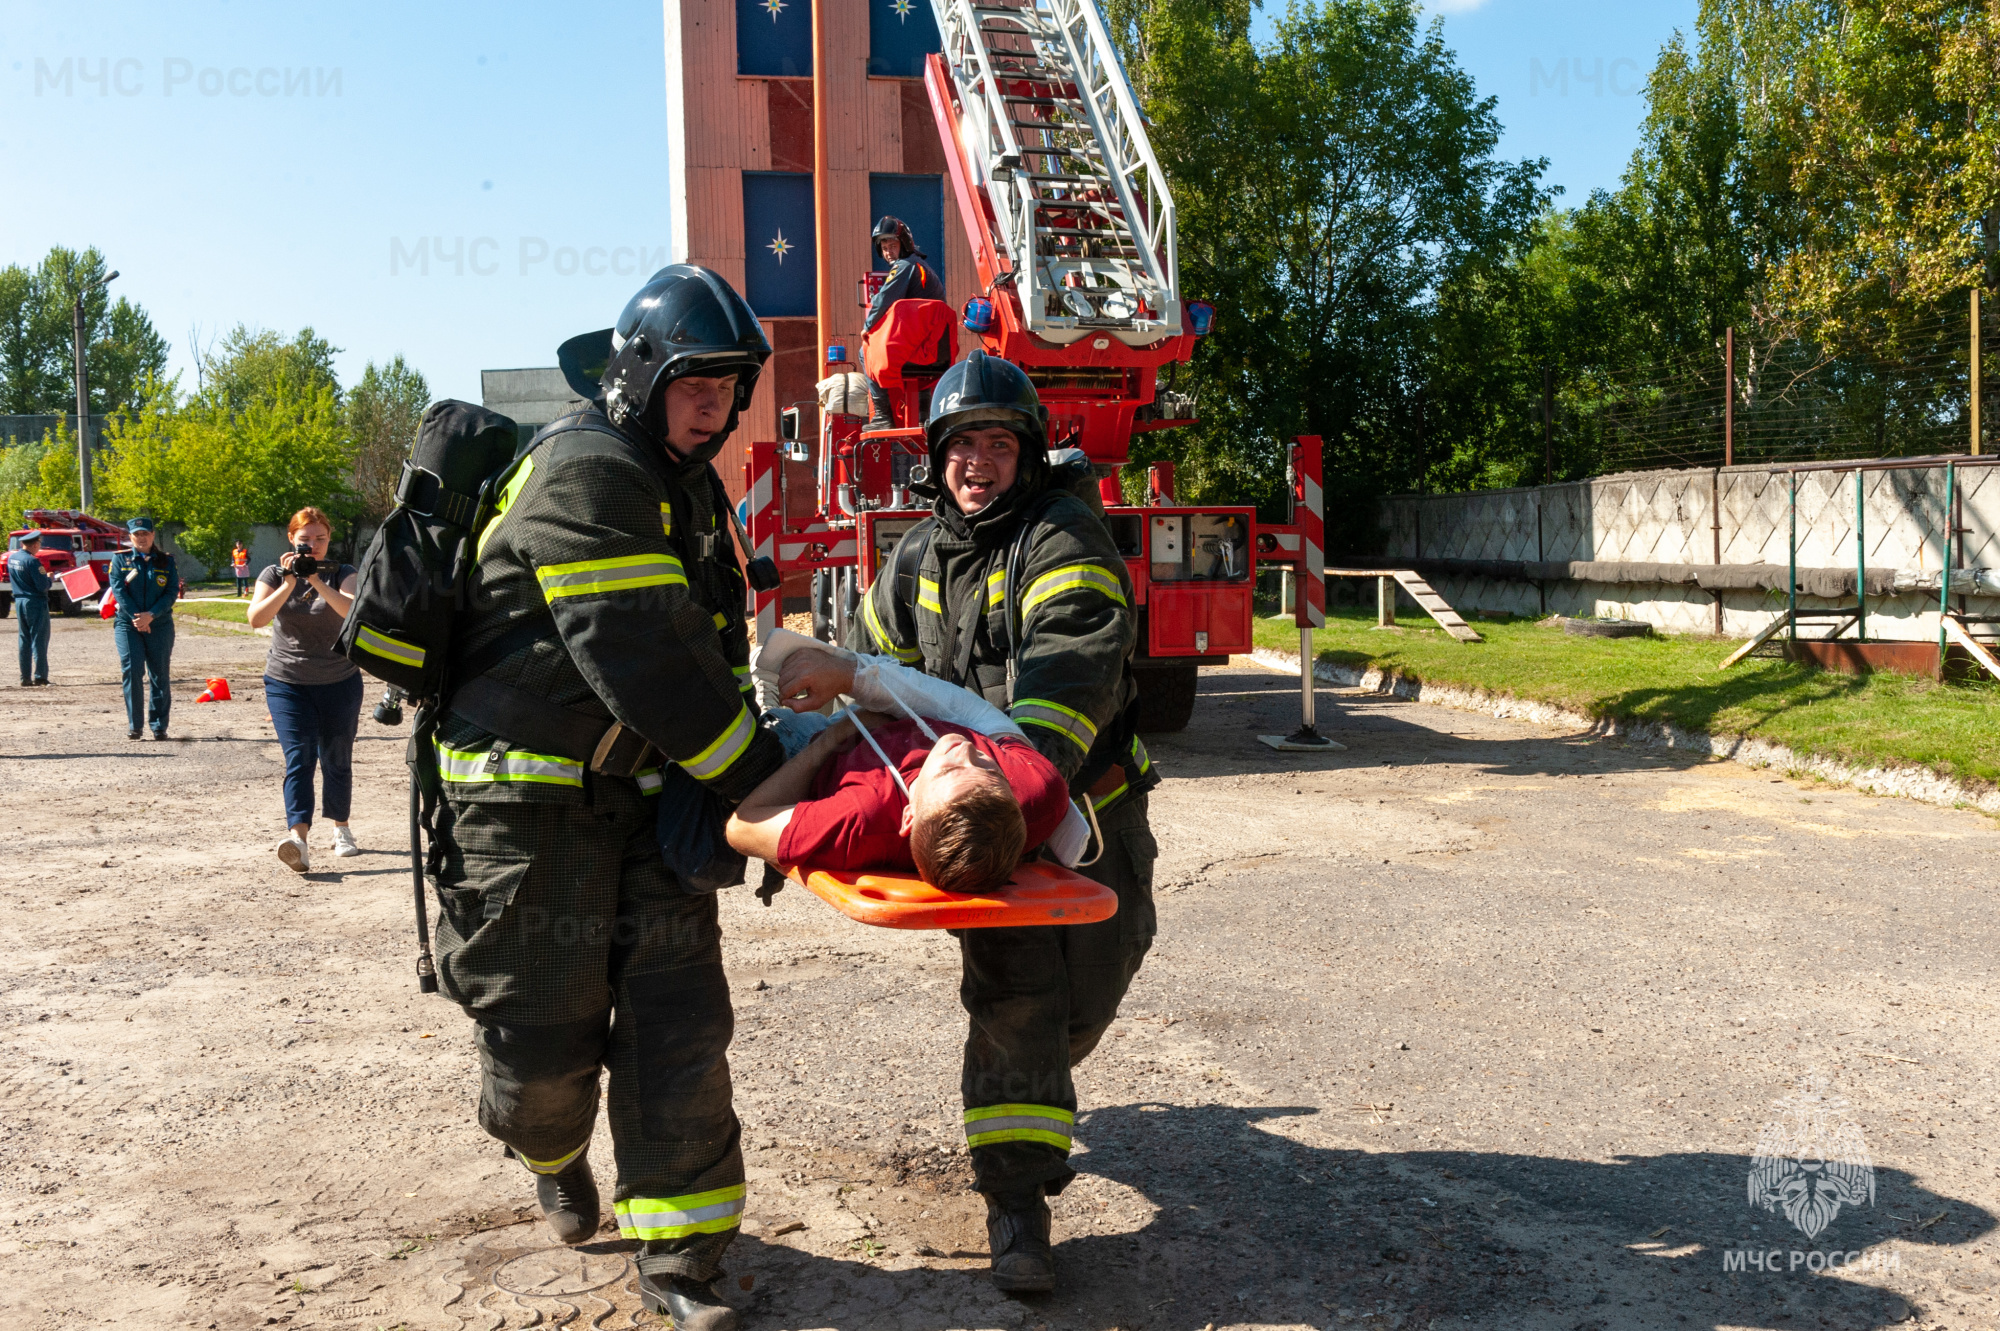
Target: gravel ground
[1470, 1024]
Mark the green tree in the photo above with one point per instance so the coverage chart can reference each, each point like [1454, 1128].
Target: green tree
[382, 415]
[220, 471]
[37, 342]
[250, 361]
[1328, 186]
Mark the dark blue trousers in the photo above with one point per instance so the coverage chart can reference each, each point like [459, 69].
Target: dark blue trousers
[33, 617]
[145, 659]
[316, 725]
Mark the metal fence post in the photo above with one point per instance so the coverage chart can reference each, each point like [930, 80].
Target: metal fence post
[1792, 579]
[1860, 559]
[1944, 578]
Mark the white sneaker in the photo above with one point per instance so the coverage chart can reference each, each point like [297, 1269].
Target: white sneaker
[292, 851]
[343, 842]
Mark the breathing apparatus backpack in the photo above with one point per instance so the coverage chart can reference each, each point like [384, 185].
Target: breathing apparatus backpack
[412, 580]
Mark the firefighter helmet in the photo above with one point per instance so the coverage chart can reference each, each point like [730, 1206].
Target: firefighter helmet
[685, 321]
[906, 244]
[988, 390]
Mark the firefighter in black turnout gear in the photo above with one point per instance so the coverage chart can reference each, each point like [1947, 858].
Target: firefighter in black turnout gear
[910, 278]
[605, 644]
[1013, 588]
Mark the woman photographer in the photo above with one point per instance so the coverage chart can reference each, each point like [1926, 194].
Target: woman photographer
[314, 692]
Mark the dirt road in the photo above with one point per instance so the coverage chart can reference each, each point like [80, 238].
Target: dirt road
[1469, 1024]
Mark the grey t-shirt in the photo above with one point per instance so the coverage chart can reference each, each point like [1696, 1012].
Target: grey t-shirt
[302, 634]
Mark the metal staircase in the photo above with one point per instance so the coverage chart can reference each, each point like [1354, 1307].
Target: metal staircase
[1081, 207]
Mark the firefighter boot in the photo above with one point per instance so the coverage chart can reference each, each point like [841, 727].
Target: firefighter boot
[569, 1200]
[693, 1304]
[1017, 1234]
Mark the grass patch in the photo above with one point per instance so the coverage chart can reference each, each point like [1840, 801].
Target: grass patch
[233, 611]
[1882, 719]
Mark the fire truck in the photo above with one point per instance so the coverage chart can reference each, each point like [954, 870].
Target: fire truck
[72, 541]
[1071, 225]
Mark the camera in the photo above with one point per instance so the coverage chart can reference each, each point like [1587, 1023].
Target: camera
[389, 711]
[303, 563]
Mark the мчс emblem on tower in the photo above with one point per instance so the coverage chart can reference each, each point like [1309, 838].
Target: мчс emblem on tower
[1811, 1160]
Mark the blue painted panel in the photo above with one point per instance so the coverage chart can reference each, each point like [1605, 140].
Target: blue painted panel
[900, 34]
[779, 278]
[919, 201]
[774, 38]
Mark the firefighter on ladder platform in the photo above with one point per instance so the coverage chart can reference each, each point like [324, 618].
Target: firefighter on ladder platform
[606, 638]
[1013, 588]
[910, 278]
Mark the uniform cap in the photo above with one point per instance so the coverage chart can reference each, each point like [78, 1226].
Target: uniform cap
[139, 524]
[32, 534]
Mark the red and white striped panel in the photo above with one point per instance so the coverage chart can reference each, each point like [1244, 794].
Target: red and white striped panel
[767, 520]
[1310, 511]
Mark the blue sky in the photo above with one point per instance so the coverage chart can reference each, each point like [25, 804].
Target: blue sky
[441, 179]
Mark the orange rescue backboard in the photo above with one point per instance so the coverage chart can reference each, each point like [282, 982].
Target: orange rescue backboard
[1038, 893]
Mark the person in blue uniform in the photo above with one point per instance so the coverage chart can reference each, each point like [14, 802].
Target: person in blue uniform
[30, 582]
[146, 584]
[910, 278]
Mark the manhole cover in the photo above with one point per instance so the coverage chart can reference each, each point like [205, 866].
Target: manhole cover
[556, 1273]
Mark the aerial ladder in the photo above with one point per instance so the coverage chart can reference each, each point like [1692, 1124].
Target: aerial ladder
[1070, 221]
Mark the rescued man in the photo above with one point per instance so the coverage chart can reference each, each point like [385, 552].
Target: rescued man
[608, 637]
[933, 778]
[1014, 588]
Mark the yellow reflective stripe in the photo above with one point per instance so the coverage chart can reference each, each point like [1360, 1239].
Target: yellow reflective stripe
[589, 576]
[386, 647]
[554, 1166]
[1093, 576]
[744, 684]
[1099, 804]
[721, 620]
[1144, 759]
[1055, 716]
[666, 519]
[650, 781]
[996, 588]
[927, 596]
[515, 765]
[508, 494]
[730, 745]
[906, 655]
[709, 1212]
[1019, 1123]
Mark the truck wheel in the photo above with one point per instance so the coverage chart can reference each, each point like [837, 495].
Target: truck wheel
[1166, 698]
[63, 605]
[822, 604]
[6, 606]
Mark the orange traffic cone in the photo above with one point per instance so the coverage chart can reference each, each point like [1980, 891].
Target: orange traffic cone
[205, 696]
[219, 688]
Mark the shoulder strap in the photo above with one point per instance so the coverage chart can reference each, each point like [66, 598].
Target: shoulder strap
[1017, 563]
[910, 553]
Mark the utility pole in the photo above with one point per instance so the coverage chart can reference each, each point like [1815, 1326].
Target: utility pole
[822, 184]
[79, 342]
[1977, 379]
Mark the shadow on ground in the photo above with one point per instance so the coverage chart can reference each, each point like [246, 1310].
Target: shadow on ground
[1254, 1228]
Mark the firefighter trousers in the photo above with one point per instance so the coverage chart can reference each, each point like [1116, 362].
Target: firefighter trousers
[1039, 1000]
[572, 948]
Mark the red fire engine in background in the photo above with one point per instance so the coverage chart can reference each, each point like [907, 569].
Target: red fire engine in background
[1071, 226]
[76, 551]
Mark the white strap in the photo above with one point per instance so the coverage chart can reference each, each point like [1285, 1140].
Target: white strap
[894, 773]
[897, 698]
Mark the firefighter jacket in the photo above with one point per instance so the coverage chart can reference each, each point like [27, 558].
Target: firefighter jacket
[623, 548]
[909, 279]
[142, 584]
[942, 601]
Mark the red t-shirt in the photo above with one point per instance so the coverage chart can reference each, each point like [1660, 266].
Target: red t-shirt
[854, 819]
